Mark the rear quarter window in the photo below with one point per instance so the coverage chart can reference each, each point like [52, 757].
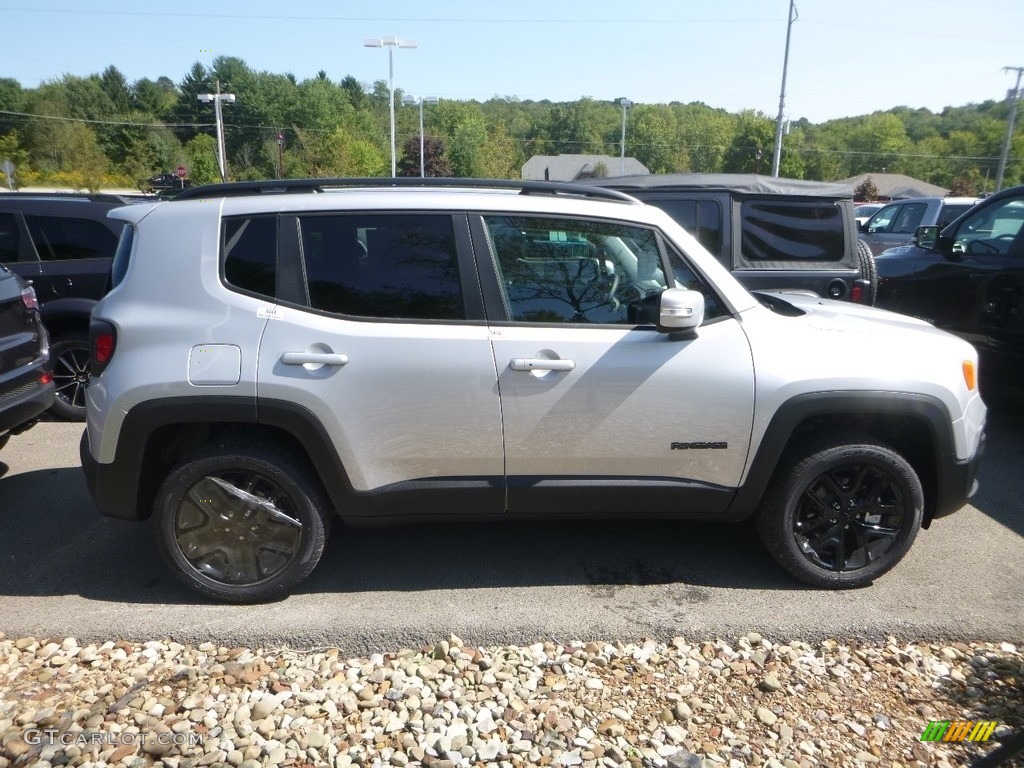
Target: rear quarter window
[785, 231]
[122, 256]
[249, 249]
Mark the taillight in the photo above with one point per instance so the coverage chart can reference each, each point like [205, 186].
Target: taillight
[28, 298]
[857, 294]
[102, 344]
[103, 348]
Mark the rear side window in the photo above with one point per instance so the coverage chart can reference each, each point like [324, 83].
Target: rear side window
[66, 237]
[401, 266]
[950, 213]
[792, 232]
[8, 237]
[122, 256]
[701, 218]
[909, 217]
[250, 254]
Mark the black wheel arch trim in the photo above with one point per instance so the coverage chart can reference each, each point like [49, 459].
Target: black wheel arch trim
[120, 489]
[953, 479]
[76, 310]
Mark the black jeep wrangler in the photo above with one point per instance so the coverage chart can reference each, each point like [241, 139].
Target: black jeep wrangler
[771, 233]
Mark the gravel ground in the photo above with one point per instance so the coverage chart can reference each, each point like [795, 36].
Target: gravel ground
[685, 704]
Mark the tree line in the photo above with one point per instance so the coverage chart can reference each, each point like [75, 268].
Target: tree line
[101, 131]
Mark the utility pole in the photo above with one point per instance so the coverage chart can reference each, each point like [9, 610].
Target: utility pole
[1012, 98]
[218, 98]
[777, 156]
[625, 104]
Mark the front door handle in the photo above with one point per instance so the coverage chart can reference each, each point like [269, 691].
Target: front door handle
[313, 358]
[540, 364]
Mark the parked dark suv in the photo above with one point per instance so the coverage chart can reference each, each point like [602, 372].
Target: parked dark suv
[968, 280]
[26, 386]
[63, 245]
[771, 233]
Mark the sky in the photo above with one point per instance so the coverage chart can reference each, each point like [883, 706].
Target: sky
[847, 57]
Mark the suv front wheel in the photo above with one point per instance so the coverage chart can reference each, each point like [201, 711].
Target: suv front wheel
[240, 523]
[845, 511]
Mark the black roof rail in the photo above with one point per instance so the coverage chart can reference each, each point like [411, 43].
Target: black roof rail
[95, 197]
[287, 186]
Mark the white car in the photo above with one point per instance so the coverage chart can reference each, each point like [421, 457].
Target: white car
[274, 356]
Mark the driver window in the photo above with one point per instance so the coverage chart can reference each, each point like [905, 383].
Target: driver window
[993, 231]
[576, 271]
[882, 221]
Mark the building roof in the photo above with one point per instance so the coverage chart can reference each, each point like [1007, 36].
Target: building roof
[897, 186]
[573, 167]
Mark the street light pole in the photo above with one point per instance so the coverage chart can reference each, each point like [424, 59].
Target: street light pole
[1012, 96]
[390, 43]
[218, 98]
[625, 104]
[409, 101]
[777, 156]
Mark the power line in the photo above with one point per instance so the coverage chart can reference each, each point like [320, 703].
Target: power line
[105, 122]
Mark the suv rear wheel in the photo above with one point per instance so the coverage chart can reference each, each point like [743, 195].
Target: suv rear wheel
[70, 353]
[845, 512]
[241, 523]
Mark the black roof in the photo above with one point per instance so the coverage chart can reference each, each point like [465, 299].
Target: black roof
[738, 183]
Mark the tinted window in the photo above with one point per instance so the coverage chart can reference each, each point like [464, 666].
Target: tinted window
[122, 255]
[575, 271]
[995, 230]
[792, 232]
[701, 218]
[378, 265]
[65, 237]
[950, 213]
[8, 237]
[908, 218]
[250, 254]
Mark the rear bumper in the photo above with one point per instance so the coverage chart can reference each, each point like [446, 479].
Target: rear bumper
[24, 399]
[113, 490]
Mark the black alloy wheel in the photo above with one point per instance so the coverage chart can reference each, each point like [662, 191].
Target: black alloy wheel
[845, 512]
[70, 355]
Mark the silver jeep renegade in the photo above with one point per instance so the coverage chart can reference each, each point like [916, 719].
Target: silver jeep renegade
[277, 356]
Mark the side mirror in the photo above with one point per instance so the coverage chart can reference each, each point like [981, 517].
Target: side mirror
[680, 310]
[862, 226]
[926, 236]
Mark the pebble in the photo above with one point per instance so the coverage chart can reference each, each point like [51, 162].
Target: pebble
[686, 704]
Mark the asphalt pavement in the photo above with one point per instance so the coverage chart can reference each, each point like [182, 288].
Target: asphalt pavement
[66, 571]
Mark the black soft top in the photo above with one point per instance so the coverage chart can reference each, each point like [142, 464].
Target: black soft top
[737, 183]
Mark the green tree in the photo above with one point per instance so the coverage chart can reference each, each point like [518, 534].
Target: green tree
[466, 148]
[11, 149]
[751, 148]
[201, 163]
[500, 157]
[651, 139]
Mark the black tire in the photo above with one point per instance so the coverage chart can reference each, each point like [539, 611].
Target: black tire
[842, 511]
[868, 271]
[235, 492]
[70, 355]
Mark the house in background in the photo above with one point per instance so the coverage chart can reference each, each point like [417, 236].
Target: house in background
[896, 186]
[580, 167]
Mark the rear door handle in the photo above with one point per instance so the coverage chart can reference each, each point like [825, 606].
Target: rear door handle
[313, 358]
[540, 364]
